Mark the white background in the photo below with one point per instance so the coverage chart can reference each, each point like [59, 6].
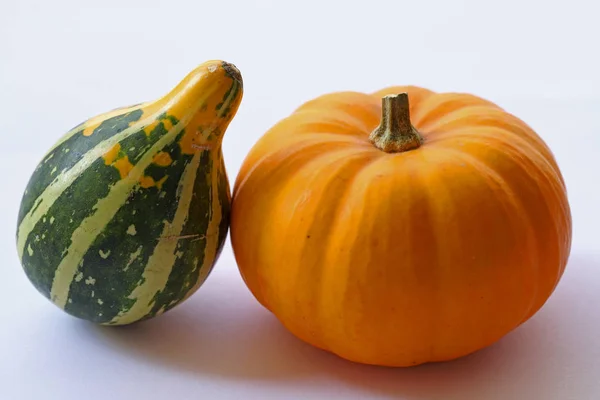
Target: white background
[64, 61]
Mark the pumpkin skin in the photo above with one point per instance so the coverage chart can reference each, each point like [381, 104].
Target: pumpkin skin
[401, 258]
[126, 215]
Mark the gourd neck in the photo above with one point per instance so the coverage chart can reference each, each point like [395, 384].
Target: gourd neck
[395, 133]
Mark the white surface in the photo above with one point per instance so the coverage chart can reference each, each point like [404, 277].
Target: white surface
[62, 61]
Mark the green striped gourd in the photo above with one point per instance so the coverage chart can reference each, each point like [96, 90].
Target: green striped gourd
[126, 215]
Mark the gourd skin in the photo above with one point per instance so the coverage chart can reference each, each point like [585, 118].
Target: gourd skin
[403, 258]
[126, 215]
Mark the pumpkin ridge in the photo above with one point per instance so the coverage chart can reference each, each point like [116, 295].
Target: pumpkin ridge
[510, 204]
[532, 169]
[511, 143]
[352, 165]
[543, 170]
[303, 152]
[442, 105]
[495, 117]
[452, 119]
[428, 189]
[301, 145]
[495, 177]
[348, 124]
[422, 213]
[349, 102]
[341, 139]
[358, 187]
[333, 231]
[499, 134]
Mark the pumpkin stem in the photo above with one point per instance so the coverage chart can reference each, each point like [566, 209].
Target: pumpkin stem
[395, 133]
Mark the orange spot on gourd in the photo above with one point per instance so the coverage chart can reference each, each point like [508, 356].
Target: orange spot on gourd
[148, 129]
[148, 182]
[111, 155]
[162, 159]
[192, 142]
[189, 141]
[124, 166]
[89, 130]
[115, 158]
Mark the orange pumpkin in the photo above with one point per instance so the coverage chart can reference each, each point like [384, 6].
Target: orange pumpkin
[395, 235]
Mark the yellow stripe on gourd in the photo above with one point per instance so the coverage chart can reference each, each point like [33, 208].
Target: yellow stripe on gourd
[94, 122]
[159, 266]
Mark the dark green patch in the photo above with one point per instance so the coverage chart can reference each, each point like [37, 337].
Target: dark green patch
[137, 145]
[227, 112]
[114, 279]
[51, 237]
[156, 172]
[174, 121]
[67, 154]
[37, 205]
[225, 96]
[225, 200]
[164, 116]
[186, 270]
